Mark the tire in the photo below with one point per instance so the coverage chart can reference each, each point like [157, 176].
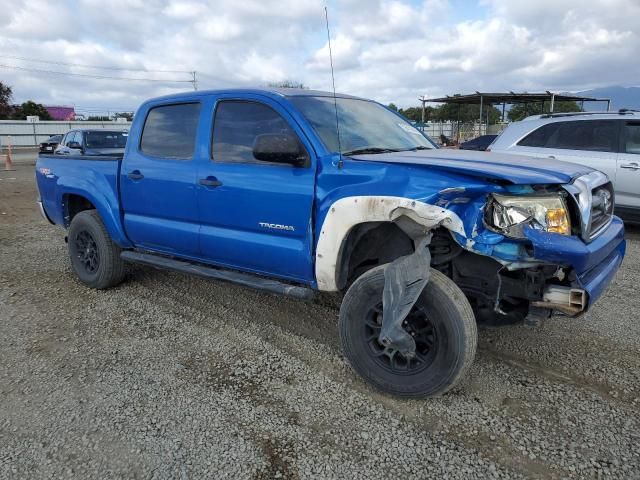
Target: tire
[444, 329]
[94, 257]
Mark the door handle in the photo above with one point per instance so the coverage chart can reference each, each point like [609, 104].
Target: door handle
[631, 166]
[135, 175]
[552, 157]
[210, 182]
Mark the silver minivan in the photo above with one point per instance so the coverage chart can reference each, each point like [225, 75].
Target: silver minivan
[609, 142]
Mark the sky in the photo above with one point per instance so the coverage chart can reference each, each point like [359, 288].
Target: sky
[391, 51]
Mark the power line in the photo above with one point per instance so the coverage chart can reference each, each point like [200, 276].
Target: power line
[99, 67]
[39, 70]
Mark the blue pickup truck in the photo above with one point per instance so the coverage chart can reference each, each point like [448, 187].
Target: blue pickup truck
[298, 191]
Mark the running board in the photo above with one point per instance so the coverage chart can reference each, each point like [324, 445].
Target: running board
[245, 279]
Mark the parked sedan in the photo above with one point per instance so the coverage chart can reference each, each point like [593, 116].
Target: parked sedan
[480, 143]
[93, 142]
[50, 144]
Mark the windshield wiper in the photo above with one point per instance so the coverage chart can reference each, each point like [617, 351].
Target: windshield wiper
[414, 149]
[370, 150]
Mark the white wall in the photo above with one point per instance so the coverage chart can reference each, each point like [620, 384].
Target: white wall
[30, 134]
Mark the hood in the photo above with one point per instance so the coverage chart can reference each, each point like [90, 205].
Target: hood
[516, 169]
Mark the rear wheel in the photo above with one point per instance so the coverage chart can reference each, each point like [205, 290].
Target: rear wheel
[441, 322]
[94, 257]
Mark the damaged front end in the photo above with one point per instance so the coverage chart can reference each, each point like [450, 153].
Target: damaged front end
[525, 253]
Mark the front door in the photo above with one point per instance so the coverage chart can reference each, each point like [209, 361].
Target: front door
[628, 177]
[256, 214]
[158, 181]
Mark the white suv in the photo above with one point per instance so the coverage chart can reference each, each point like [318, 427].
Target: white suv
[609, 142]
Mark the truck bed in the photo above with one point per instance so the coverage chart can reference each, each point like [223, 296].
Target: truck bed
[93, 177]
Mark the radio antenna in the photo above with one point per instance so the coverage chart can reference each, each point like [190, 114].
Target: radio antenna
[333, 82]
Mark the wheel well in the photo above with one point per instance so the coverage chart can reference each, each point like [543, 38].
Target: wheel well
[74, 204]
[368, 245]
[376, 243]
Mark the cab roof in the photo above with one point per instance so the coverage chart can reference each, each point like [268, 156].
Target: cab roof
[268, 91]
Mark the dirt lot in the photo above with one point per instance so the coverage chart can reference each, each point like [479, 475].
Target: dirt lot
[169, 376]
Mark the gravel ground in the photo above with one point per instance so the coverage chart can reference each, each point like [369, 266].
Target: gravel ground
[169, 376]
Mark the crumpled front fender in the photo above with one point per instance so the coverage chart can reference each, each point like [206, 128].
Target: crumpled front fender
[348, 212]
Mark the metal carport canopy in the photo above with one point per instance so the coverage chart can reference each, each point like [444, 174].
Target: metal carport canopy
[485, 98]
[510, 97]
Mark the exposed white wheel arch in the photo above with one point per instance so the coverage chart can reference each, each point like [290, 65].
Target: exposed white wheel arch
[348, 212]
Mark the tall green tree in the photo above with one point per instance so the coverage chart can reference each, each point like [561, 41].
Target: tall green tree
[520, 110]
[6, 109]
[31, 108]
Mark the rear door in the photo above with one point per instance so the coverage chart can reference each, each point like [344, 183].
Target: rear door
[628, 179]
[593, 143]
[158, 180]
[255, 215]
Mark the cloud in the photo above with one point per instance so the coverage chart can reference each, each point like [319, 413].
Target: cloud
[344, 50]
[390, 50]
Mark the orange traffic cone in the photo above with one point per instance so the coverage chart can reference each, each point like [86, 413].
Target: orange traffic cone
[8, 164]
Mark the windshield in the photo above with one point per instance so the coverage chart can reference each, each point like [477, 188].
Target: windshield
[106, 139]
[365, 127]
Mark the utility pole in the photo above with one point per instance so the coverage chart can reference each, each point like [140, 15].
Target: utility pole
[423, 100]
[480, 125]
[194, 81]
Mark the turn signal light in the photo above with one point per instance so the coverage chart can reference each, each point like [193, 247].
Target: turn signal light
[558, 221]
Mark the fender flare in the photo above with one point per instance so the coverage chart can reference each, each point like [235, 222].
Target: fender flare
[346, 213]
[107, 207]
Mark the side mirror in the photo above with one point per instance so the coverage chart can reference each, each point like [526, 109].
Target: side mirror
[279, 148]
[74, 145]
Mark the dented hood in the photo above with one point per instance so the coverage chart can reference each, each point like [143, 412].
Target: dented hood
[516, 169]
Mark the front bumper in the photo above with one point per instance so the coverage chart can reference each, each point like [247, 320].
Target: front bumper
[594, 264]
[43, 212]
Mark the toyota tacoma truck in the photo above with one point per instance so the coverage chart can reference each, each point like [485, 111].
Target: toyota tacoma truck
[298, 191]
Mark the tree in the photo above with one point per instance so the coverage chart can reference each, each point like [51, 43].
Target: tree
[6, 109]
[31, 108]
[521, 110]
[465, 113]
[452, 113]
[288, 84]
[414, 113]
[127, 115]
[393, 106]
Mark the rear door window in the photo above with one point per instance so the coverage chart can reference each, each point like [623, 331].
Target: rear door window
[588, 135]
[632, 138]
[170, 131]
[592, 135]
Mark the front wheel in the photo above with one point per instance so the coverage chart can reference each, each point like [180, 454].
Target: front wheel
[94, 257]
[441, 322]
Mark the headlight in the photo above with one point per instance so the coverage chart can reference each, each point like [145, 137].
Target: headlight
[509, 214]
